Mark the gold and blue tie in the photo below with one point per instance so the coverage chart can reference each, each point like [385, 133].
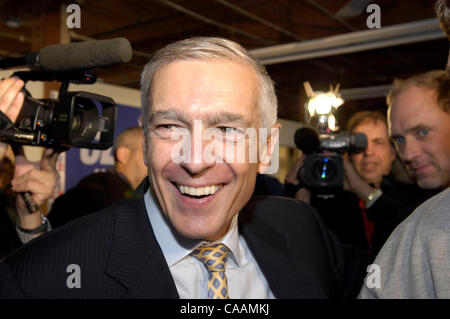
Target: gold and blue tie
[213, 257]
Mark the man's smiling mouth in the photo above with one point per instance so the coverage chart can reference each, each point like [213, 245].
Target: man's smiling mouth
[198, 192]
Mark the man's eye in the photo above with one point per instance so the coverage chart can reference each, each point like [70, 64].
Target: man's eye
[423, 132]
[398, 140]
[166, 126]
[226, 129]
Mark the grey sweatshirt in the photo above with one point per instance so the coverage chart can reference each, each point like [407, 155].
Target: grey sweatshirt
[415, 260]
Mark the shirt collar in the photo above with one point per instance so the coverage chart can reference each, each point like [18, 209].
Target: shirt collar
[176, 247]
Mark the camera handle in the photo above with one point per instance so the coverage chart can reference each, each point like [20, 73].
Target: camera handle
[10, 133]
[31, 205]
[5, 123]
[26, 196]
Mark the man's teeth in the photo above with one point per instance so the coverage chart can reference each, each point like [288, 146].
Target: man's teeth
[199, 191]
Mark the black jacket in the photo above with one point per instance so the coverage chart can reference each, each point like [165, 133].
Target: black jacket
[119, 256]
[93, 193]
[342, 213]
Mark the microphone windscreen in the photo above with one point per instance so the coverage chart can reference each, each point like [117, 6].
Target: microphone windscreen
[85, 55]
[307, 140]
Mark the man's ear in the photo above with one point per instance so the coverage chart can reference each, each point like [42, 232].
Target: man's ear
[123, 154]
[269, 151]
[144, 148]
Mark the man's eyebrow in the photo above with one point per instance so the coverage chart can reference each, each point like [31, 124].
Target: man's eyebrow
[416, 128]
[171, 115]
[210, 118]
[226, 117]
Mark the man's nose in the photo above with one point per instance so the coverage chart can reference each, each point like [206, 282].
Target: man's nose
[196, 162]
[369, 149]
[409, 150]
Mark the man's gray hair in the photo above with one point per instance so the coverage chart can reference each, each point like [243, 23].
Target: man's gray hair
[204, 48]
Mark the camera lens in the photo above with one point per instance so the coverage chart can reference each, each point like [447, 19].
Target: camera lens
[325, 170]
[84, 121]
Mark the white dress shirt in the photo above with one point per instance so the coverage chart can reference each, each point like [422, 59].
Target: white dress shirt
[244, 277]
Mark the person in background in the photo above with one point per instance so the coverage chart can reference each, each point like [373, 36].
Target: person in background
[99, 190]
[414, 262]
[372, 202]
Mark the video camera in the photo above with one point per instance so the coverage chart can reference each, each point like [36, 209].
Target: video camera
[322, 171]
[79, 119]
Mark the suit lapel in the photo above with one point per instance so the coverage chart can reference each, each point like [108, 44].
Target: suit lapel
[272, 255]
[135, 259]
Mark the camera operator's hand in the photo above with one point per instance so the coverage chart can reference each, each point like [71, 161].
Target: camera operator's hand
[39, 182]
[292, 175]
[11, 100]
[354, 183]
[303, 193]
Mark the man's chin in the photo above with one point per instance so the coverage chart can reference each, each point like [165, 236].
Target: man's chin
[195, 225]
[430, 183]
[371, 178]
[198, 233]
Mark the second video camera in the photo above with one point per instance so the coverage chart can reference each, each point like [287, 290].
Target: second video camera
[325, 171]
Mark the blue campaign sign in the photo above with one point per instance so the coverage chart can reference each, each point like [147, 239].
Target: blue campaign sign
[82, 162]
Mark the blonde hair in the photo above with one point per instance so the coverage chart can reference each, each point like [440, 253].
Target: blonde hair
[435, 80]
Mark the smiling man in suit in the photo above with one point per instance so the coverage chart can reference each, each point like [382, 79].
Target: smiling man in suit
[195, 233]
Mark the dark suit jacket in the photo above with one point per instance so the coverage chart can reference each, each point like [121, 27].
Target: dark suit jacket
[119, 256]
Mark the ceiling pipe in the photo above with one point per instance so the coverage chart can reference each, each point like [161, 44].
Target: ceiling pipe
[419, 31]
[289, 34]
[367, 92]
[352, 28]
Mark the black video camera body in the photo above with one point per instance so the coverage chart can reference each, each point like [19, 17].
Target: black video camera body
[323, 171]
[79, 119]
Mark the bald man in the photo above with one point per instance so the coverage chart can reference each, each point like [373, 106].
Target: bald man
[99, 190]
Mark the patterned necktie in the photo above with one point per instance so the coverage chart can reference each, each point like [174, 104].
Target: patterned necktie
[214, 259]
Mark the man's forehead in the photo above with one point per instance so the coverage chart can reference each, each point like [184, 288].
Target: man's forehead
[412, 108]
[370, 122]
[194, 63]
[195, 76]
[214, 90]
[372, 125]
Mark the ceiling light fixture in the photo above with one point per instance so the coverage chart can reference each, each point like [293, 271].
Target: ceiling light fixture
[323, 105]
